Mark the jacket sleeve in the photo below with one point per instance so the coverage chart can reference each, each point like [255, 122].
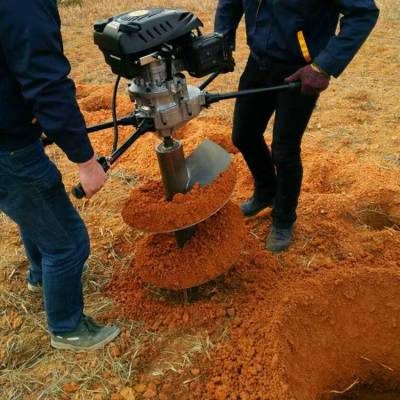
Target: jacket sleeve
[358, 20]
[227, 18]
[32, 44]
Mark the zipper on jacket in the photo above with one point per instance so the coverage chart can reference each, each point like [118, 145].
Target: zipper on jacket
[258, 11]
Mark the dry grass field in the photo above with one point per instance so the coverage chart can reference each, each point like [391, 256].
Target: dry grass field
[349, 220]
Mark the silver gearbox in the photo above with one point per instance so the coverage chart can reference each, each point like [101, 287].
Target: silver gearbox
[170, 103]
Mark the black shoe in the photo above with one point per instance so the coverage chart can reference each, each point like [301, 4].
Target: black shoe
[253, 206]
[279, 239]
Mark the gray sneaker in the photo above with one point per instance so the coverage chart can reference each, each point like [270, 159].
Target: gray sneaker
[254, 205]
[86, 337]
[37, 287]
[279, 239]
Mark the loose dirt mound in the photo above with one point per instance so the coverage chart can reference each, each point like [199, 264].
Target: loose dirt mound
[211, 252]
[331, 331]
[147, 209]
[308, 340]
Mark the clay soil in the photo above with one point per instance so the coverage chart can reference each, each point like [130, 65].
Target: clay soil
[147, 209]
[212, 251]
[320, 322]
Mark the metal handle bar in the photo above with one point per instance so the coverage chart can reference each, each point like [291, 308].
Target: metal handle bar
[106, 162]
[215, 97]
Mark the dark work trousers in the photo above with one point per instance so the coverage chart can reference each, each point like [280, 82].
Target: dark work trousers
[54, 235]
[278, 173]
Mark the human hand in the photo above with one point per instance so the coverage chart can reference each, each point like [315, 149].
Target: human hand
[313, 79]
[229, 66]
[92, 176]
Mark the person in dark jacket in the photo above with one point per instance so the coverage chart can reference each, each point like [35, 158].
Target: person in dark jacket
[37, 96]
[289, 40]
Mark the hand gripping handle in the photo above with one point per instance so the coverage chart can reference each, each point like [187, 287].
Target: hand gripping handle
[78, 191]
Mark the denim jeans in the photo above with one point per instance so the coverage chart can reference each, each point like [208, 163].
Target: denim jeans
[278, 173]
[55, 238]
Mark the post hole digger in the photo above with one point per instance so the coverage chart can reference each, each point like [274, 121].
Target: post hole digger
[152, 48]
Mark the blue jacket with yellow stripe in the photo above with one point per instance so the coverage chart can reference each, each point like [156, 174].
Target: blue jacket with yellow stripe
[301, 30]
[36, 94]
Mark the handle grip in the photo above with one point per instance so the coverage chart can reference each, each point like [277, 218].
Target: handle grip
[294, 85]
[78, 191]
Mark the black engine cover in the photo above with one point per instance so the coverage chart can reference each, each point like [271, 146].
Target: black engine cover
[126, 37]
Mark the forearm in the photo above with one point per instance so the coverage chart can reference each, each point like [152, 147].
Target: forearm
[58, 113]
[358, 20]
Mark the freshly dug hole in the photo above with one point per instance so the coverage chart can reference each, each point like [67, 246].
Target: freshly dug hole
[211, 252]
[379, 208]
[377, 219]
[333, 331]
[147, 210]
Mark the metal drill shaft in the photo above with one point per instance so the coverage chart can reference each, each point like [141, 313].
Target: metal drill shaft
[175, 177]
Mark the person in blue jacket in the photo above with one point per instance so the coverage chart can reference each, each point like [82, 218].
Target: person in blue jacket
[37, 96]
[289, 40]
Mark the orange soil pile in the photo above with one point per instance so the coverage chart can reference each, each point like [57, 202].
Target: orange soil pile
[306, 339]
[333, 328]
[211, 252]
[147, 210]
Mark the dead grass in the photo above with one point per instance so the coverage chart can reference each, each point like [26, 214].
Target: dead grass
[67, 3]
[178, 351]
[390, 9]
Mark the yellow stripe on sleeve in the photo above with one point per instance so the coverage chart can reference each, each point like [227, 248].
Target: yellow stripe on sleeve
[303, 46]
